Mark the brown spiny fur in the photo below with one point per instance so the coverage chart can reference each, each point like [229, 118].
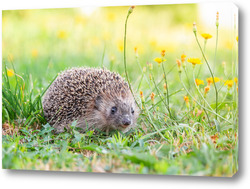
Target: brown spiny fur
[87, 95]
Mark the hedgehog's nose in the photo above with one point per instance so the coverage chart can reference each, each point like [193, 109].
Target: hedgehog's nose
[126, 122]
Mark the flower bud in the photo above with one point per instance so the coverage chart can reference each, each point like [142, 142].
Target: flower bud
[130, 10]
[194, 28]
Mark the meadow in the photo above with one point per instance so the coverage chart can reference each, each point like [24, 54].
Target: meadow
[183, 76]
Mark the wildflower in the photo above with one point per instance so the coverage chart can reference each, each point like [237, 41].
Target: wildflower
[142, 97]
[136, 51]
[165, 88]
[194, 61]
[194, 28]
[236, 80]
[237, 38]
[80, 20]
[183, 60]
[152, 96]
[141, 94]
[62, 34]
[217, 19]
[206, 36]
[178, 65]
[210, 80]
[10, 72]
[199, 82]
[120, 45]
[34, 53]
[163, 53]
[159, 60]
[206, 89]
[111, 17]
[197, 112]
[150, 76]
[150, 65]
[130, 10]
[144, 69]
[229, 83]
[186, 99]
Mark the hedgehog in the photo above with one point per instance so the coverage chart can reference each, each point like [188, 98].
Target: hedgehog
[95, 98]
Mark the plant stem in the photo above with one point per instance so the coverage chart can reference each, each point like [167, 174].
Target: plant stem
[165, 77]
[160, 95]
[204, 49]
[124, 60]
[212, 111]
[216, 45]
[211, 72]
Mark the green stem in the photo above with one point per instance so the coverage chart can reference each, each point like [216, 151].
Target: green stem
[201, 104]
[165, 77]
[202, 97]
[204, 49]
[124, 55]
[187, 78]
[160, 95]
[216, 45]
[211, 72]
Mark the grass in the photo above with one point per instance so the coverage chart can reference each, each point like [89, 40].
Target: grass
[195, 135]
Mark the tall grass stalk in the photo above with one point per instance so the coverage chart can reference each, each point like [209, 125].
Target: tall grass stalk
[211, 72]
[212, 111]
[166, 81]
[124, 54]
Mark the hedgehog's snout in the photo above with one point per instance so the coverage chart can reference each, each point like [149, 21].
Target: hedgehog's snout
[126, 122]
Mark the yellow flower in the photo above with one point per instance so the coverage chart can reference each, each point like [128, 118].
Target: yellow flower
[194, 61]
[186, 99]
[178, 64]
[165, 87]
[163, 53]
[62, 34]
[236, 80]
[144, 69]
[120, 45]
[136, 51]
[206, 89]
[34, 53]
[199, 82]
[152, 96]
[183, 58]
[111, 17]
[210, 80]
[10, 72]
[159, 60]
[229, 83]
[142, 97]
[237, 38]
[206, 36]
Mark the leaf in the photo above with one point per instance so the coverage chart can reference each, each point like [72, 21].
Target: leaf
[217, 124]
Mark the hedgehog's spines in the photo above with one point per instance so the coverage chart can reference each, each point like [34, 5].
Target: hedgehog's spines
[76, 89]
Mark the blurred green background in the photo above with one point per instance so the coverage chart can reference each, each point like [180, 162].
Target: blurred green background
[46, 41]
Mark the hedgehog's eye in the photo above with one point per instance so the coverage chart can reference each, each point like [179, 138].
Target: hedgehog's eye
[132, 111]
[113, 109]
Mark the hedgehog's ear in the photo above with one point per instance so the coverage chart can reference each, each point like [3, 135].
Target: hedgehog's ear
[98, 102]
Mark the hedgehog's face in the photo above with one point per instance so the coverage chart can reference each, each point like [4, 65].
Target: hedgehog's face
[120, 113]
